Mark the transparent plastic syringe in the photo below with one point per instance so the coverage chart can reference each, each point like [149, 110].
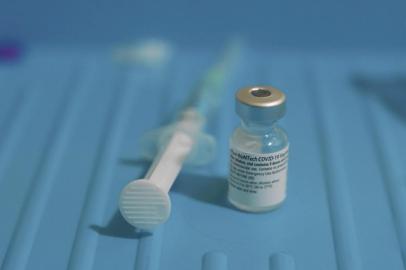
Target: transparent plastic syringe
[145, 203]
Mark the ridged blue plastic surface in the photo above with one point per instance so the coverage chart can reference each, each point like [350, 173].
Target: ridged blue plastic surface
[70, 121]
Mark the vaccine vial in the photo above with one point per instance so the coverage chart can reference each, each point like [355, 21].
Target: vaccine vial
[258, 151]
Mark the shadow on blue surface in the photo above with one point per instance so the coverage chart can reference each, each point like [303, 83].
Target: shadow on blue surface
[203, 188]
[391, 90]
[118, 227]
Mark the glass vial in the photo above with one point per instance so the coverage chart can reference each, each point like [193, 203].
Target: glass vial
[258, 151]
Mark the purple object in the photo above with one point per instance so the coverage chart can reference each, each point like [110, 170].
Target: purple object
[9, 51]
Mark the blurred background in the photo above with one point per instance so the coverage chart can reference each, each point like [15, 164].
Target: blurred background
[319, 24]
[82, 82]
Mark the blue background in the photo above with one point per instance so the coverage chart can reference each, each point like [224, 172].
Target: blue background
[326, 24]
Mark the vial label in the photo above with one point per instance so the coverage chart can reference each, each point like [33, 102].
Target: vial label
[258, 180]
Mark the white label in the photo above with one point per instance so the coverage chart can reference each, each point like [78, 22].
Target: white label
[258, 180]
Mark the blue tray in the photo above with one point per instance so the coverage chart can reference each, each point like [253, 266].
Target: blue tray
[70, 120]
